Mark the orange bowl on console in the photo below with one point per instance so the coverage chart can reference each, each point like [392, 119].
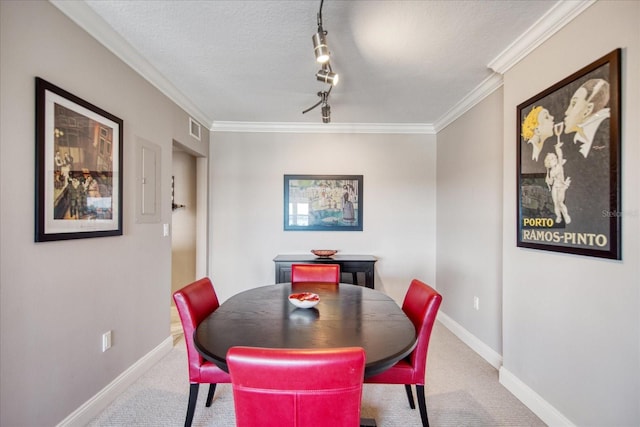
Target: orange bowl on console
[304, 299]
[324, 253]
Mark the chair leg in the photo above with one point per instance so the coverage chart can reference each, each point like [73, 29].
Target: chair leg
[422, 403]
[193, 397]
[412, 404]
[212, 389]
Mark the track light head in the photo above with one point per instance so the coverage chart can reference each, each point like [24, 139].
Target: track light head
[320, 47]
[325, 75]
[326, 113]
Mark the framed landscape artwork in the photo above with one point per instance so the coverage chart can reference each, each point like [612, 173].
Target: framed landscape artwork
[323, 202]
[568, 164]
[78, 167]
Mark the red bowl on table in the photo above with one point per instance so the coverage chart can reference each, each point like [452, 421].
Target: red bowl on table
[304, 299]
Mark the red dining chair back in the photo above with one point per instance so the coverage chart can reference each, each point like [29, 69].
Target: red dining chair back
[421, 304]
[315, 273]
[195, 302]
[295, 387]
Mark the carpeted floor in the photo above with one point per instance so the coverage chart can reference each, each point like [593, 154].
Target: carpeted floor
[462, 390]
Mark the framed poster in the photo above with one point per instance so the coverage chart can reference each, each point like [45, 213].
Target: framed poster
[323, 202]
[568, 163]
[78, 167]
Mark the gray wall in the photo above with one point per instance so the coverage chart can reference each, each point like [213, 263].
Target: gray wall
[569, 332]
[247, 204]
[57, 298]
[571, 323]
[469, 225]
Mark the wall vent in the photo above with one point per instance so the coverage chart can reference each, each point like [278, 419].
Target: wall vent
[194, 129]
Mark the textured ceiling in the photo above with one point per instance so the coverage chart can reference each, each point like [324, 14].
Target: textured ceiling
[400, 62]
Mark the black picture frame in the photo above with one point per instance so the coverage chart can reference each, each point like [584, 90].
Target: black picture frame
[323, 202]
[568, 163]
[78, 185]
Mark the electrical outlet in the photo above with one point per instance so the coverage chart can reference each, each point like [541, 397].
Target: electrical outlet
[476, 303]
[106, 341]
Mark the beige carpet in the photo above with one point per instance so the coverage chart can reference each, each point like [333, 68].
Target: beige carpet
[462, 390]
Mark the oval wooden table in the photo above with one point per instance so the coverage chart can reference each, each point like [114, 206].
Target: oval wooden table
[346, 316]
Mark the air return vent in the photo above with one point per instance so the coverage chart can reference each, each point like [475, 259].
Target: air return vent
[194, 129]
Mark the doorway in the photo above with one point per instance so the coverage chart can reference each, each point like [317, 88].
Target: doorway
[188, 223]
[183, 219]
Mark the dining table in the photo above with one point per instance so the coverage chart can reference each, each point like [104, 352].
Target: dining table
[346, 316]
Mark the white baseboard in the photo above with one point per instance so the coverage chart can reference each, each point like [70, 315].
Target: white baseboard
[486, 352]
[92, 407]
[532, 400]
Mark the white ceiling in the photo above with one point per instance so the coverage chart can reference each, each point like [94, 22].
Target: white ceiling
[401, 63]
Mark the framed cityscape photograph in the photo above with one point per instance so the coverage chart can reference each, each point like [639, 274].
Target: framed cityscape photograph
[323, 202]
[78, 167]
[568, 163]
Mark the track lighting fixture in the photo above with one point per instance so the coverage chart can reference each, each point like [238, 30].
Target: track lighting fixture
[325, 74]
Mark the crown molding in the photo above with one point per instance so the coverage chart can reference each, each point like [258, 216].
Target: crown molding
[83, 15]
[479, 93]
[387, 128]
[550, 23]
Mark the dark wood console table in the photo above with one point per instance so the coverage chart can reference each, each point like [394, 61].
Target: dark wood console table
[355, 266]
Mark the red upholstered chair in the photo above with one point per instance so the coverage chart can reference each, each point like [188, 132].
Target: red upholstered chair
[315, 273]
[421, 305]
[195, 302]
[296, 388]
